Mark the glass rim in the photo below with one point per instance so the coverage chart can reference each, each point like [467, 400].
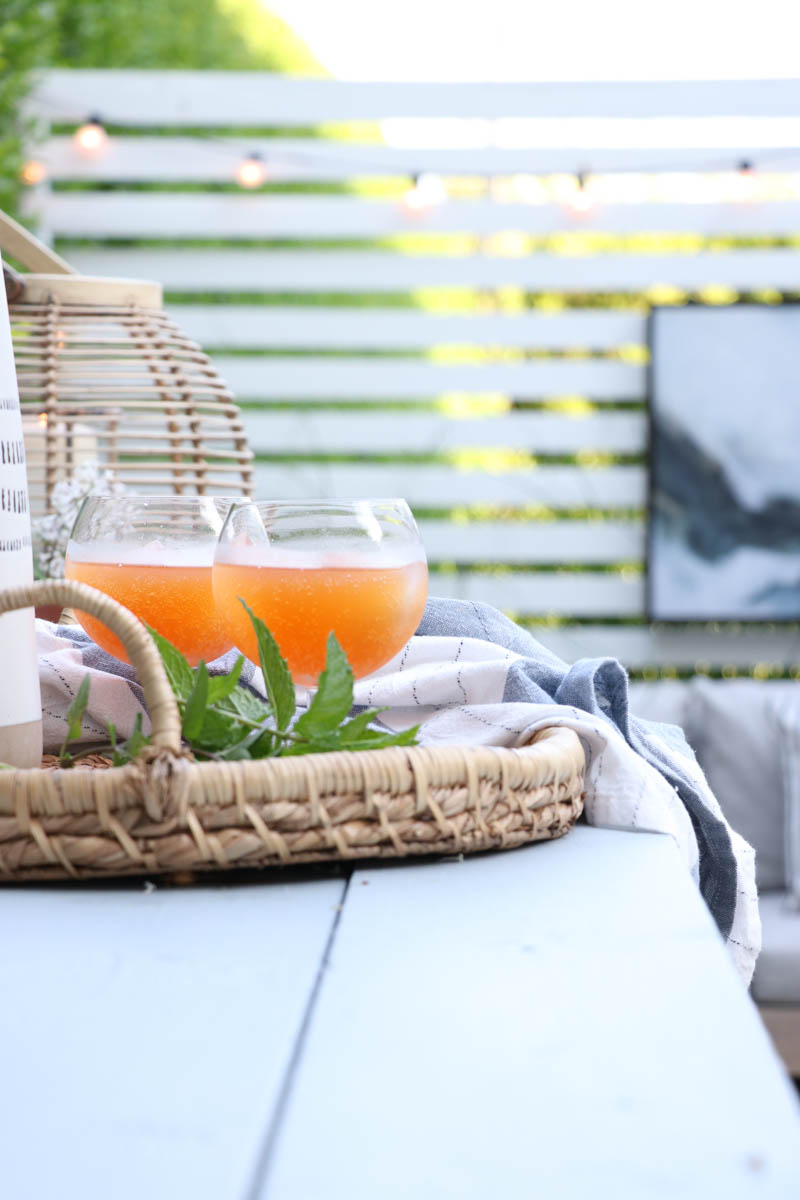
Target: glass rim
[343, 502]
[147, 498]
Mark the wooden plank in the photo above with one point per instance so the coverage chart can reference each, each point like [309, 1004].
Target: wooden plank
[685, 648]
[310, 431]
[442, 487]
[219, 98]
[177, 159]
[252, 270]
[547, 593]
[222, 215]
[536, 542]
[254, 327]
[253, 378]
[531, 1024]
[161, 1001]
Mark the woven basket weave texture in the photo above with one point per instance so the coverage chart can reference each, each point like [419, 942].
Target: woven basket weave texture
[167, 813]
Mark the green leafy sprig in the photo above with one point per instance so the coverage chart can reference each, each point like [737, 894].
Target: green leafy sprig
[224, 721]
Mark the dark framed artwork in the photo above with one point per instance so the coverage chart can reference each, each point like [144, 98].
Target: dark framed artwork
[724, 506]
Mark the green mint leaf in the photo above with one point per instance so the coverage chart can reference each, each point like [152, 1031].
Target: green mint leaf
[76, 710]
[277, 679]
[217, 731]
[221, 686]
[375, 740]
[334, 695]
[236, 753]
[125, 751]
[179, 673]
[242, 702]
[137, 739]
[353, 731]
[195, 707]
[263, 745]
[321, 743]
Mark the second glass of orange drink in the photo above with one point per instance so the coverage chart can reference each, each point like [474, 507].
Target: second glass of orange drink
[355, 568]
[154, 555]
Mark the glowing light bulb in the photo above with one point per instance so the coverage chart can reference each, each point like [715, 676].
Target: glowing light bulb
[251, 171]
[91, 138]
[745, 184]
[33, 172]
[580, 200]
[426, 192]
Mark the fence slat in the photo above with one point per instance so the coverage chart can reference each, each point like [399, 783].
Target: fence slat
[538, 594]
[130, 159]
[257, 327]
[363, 379]
[313, 432]
[125, 215]
[639, 647]
[425, 486]
[302, 271]
[533, 542]
[218, 98]
[254, 327]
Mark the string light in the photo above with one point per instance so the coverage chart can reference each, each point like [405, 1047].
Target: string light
[33, 172]
[745, 183]
[740, 185]
[91, 137]
[580, 200]
[251, 171]
[425, 193]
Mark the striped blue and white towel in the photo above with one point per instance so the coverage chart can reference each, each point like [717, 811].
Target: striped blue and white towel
[470, 675]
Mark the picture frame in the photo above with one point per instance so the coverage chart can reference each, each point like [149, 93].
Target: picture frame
[723, 533]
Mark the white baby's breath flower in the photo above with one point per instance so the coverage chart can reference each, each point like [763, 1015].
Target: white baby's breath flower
[51, 531]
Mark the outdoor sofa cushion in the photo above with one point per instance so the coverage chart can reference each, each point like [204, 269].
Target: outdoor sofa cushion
[732, 727]
[777, 977]
[787, 718]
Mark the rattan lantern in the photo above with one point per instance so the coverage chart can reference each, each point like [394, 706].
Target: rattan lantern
[105, 377]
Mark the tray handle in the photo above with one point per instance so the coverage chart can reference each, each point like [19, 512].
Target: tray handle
[161, 704]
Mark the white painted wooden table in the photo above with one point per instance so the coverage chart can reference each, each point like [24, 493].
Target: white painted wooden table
[560, 1021]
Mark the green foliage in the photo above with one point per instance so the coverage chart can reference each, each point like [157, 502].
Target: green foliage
[168, 34]
[224, 721]
[74, 719]
[148, 34]
[24, 30]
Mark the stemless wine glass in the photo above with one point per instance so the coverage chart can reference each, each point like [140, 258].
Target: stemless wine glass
[307, 568]
[154, 555]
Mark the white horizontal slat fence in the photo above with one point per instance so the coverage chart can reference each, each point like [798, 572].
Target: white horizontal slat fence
[137, 215]
[203, 99]
[311, 431]
[479, 347]
[361, 379]
[300, 272]
[253, 327]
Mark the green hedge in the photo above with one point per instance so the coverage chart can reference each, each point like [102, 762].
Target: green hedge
[158, 34]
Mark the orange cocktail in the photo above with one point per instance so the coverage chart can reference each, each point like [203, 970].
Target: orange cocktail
[355, 568]
[177, 601]
[373, 610]
[154, 554]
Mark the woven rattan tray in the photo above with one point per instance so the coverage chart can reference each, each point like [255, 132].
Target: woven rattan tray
[168, 813]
